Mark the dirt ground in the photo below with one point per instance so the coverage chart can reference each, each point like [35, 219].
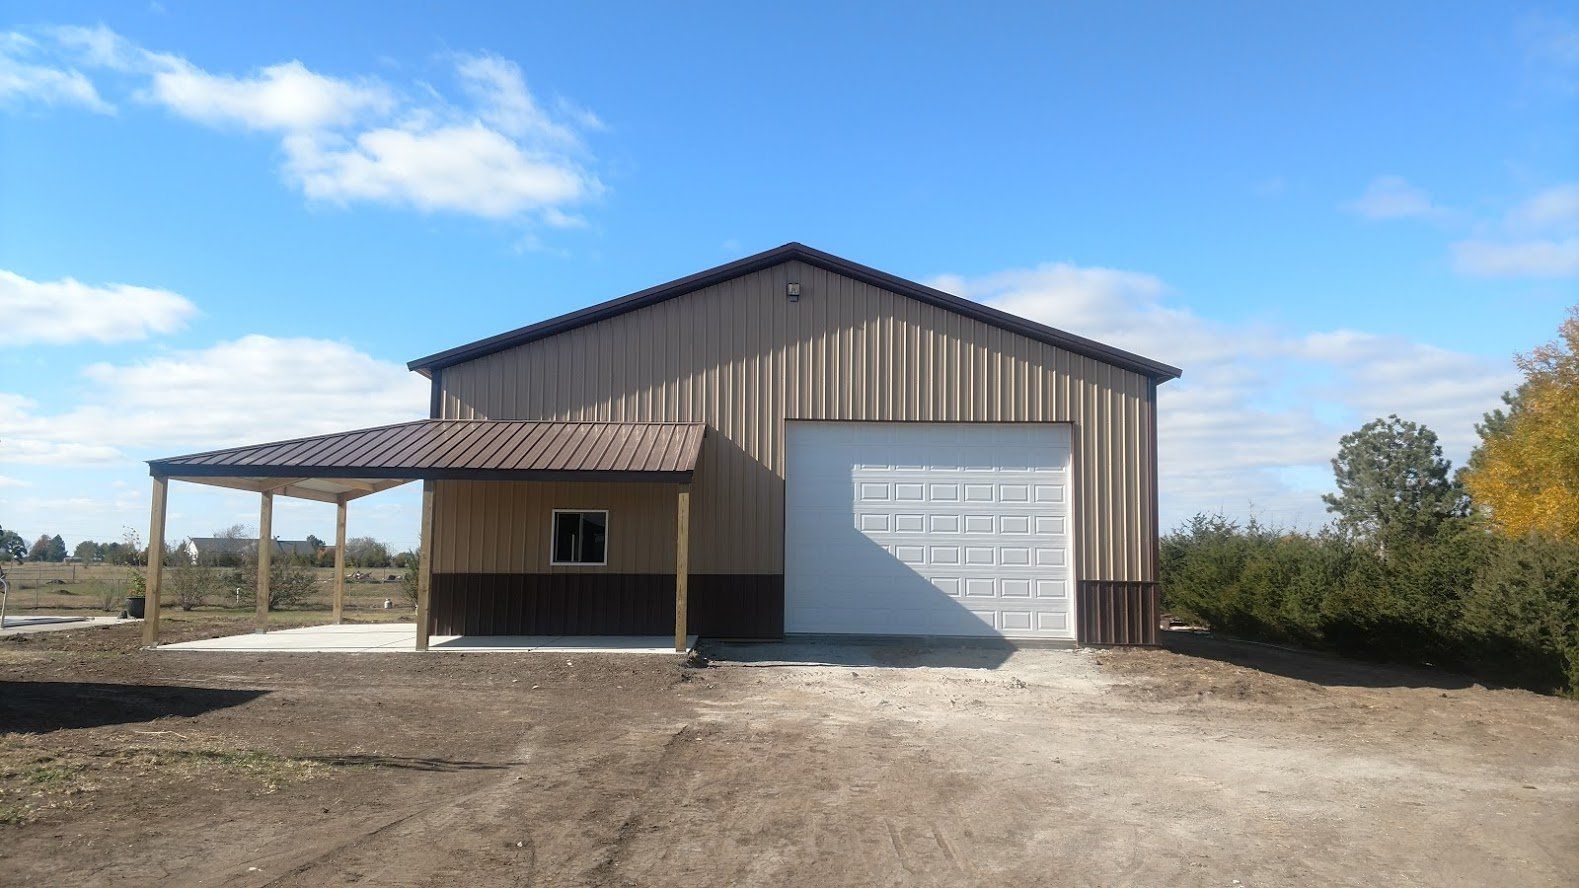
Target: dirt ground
[1206, 763]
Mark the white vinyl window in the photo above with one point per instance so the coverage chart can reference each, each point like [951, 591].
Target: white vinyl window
[581, 536]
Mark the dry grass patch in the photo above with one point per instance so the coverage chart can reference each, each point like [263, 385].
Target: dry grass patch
[35, 778]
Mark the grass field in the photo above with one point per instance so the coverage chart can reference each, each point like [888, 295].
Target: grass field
[101, 589]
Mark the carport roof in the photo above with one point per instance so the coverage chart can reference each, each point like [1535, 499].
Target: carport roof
[461, 449]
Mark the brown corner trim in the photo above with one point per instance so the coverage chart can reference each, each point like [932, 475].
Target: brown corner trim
[1117, 612]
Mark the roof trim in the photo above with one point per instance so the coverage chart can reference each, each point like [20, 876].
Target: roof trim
[181, 472]
[1155, 370]
[461, 449]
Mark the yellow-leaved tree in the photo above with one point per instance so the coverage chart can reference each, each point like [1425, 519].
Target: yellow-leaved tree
[1525, 473]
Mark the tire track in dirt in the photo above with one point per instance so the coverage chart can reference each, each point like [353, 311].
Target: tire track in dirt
[498, 833]
[406, 844]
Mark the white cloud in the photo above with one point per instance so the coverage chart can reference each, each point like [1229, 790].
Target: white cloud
[1556, 208]
[1391, 197]
[503, 158]
[1551, 51]
[1259, 411]
[1532, 258]
[1376, 375]
[24, 81]
[498, 88]
[499, 154]
[98, 47]
[467, 169]
[66, 311]
[285, 97]
[256, 388]
[1539, 238]
[1111, 305]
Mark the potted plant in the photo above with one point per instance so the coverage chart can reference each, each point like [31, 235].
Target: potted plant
[136, 595]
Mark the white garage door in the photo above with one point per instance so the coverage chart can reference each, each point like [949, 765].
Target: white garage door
[928, 529]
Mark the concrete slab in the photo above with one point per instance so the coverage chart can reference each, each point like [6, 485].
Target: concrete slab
[23, 625]
[402, 637]
[564, 644]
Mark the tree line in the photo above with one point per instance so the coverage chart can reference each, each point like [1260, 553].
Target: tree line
[1477, 570]
[228, 573]
[360, 552]
[47, 548]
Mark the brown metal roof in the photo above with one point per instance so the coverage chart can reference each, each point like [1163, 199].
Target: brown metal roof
[474, 449]
[1080, 345]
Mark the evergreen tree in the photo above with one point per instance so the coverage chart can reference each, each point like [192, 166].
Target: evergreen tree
[1392, 478]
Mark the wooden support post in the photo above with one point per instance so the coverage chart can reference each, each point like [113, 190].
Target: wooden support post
[425, 566]
[265, 558]
[682, 565]
[339, 559]
[155, 578]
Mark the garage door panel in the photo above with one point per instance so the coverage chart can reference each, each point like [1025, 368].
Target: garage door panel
[981, 587]
[875, 522]
[1048, 493]
[916, 528]
[1014, 525]
[1050, 588]
[1047, 621]
[1047, 556]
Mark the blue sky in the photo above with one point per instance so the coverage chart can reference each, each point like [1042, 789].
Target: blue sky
[223, 225]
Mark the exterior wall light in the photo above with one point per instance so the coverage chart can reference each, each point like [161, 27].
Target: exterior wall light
[793, 290]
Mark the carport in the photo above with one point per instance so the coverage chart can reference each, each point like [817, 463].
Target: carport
[345, 466]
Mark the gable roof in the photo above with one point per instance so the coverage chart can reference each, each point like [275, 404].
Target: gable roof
[1155, 370]
[239, 546]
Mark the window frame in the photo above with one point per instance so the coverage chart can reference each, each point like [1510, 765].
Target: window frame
[553, 532]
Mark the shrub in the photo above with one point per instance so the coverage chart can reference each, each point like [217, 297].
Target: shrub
[408, 583]
[1402, 599]
[189, 585]
[290, 584]
[1251, 580]
[108, 594]
[1521, 620]
[1459, 596]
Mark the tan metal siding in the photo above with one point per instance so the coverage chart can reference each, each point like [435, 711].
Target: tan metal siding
[740, 357]
[504, 526]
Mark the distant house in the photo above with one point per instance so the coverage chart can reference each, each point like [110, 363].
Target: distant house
[211, 549]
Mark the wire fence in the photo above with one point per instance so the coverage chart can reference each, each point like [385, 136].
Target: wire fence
[69, 586]
[78, 587]
[33, 574]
